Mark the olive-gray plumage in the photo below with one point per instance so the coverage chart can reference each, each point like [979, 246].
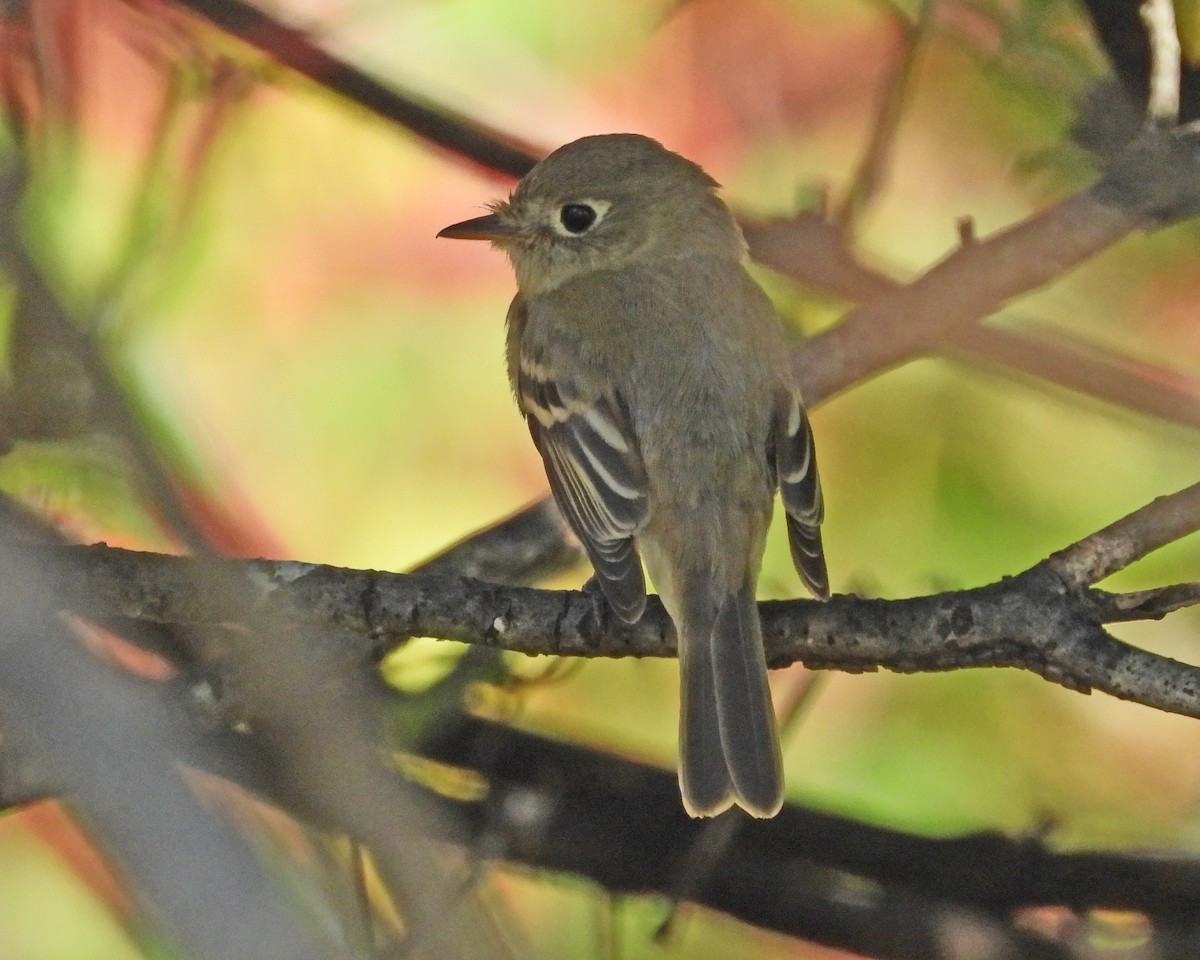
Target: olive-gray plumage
[653, 374]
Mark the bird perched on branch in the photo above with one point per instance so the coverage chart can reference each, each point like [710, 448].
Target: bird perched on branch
[653, 373]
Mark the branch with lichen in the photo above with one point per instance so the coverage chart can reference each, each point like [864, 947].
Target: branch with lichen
[1048, 619]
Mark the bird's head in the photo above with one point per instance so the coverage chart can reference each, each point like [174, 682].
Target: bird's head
[604, 203]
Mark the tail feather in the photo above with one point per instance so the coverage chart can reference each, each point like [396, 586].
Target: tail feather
[704, 780]
[729, 748]
[744, 712]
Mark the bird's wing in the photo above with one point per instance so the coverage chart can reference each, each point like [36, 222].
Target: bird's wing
[800, 489]
[596, 473]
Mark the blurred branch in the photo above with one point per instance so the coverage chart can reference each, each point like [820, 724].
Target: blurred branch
[907, 320]
[102, 742]
[895, 90]
[1044, 620]
[558, 806]
[981, 276]
[308, 699]
[826, 878]
[554, 806]
[562, 807]
[811, 250]
[620, 824]
[531, 544]
[435, 123]
[1057, 359]
[19, 522]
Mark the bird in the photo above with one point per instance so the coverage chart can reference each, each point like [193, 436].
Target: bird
[652, 371]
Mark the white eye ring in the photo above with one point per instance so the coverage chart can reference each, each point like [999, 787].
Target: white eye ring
[598, 208]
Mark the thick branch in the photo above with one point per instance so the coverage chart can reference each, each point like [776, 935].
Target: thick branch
[564, 807]
[622, 825]
[561, 807]
[1039, 621]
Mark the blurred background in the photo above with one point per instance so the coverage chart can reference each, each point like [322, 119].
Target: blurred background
[327, 379]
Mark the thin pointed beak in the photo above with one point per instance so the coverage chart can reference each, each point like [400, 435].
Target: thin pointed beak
[490, 227]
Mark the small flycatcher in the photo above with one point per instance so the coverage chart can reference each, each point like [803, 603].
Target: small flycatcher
[654, 376]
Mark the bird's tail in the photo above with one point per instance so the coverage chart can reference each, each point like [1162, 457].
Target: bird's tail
[728, 744]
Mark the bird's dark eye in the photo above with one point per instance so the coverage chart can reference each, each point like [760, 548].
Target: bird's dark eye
[576, 217]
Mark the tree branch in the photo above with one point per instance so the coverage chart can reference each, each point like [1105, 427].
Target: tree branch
[809, 249]
[1044, 620]
[910, 320]
[971, 283]
[532, 543]
[563, 807]
[435, 123]
[1053, 357]
[1119, 544]
[621, 825]
[1153, 604]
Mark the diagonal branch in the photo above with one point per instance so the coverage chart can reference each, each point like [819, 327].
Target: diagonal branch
[47, 337]
[435, 123]
[970, 284]
[1053, 357]
[909, 321]
[897, 88]
[809, 249]
[1119, 544]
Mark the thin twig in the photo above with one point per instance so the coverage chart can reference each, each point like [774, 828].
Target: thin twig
[1132, 537]
[1057, 359]
[896, 89]
[491, 149]
[1152, 604]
